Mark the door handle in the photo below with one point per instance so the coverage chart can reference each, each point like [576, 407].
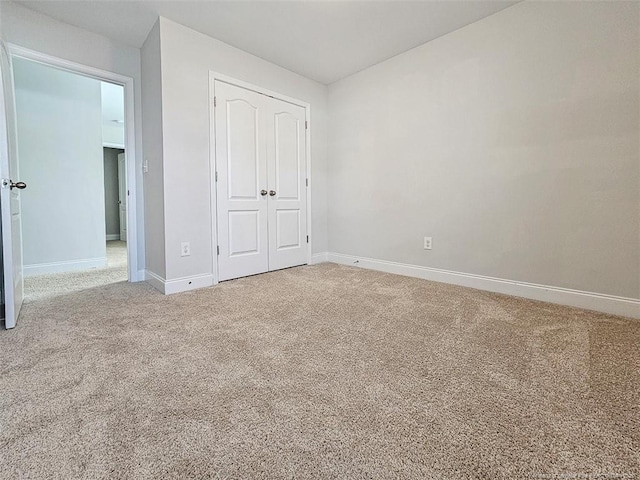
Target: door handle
[9, 183]
[272, 192]
[263, 192]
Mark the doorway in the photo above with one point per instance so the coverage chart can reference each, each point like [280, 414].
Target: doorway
[12, 188]
[70, 131]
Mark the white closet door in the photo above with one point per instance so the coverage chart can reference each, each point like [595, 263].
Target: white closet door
[286, 163]
[241, 162]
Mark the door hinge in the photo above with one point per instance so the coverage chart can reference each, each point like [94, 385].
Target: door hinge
[218, 249]
[215, 101]
[307, 238]
[216, 176]
[306, 125]
[307, 181]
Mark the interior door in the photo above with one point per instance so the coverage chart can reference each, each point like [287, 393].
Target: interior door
[122, 196]
[9, 195]
[241, 144]
[286, 160]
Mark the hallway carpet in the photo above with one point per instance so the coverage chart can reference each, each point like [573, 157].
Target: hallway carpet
[324, 372]
[51, 285]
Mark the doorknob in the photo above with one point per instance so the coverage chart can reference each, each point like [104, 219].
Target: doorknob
[263, 192]
[272, 192]
[9, 183]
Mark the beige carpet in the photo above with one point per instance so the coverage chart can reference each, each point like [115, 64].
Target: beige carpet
[41, 287]
[317, 372]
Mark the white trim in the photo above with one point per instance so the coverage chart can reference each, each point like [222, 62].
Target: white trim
[627, 307]
[213, 76]
[321, 257]
[185, 284]
[112, 145]
[309, 178]
[256, 88]
[129, 140]
[178, 285]
[66, 266]
[113, 236]
[212, 180]
[13, 274]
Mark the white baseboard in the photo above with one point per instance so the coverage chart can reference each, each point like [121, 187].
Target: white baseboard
[627, 307]
[178, 285]
[185, 284]
[113, 236]
[66, 266]
[321, 257]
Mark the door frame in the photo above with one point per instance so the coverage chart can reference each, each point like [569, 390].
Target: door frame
[129, 137]
[213, 191]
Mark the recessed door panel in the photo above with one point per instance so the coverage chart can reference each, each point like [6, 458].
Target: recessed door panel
[288, 234]
[244, 233]
[242, 149]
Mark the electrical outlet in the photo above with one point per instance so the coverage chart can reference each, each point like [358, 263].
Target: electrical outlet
[185, 249]
[427, 243]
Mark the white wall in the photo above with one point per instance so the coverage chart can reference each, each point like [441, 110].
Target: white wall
[112, 115]
[153, 142]
[513, 142]
[186, 59]
[35, 31]
[61, 160]
[111, 191]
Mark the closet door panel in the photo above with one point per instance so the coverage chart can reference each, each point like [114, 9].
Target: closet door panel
[287, 179]
[241, 163]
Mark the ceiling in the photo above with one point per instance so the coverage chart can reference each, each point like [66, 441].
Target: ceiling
[322, 40]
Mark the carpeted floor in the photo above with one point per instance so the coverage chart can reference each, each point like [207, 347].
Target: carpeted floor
[42, 287]
[317, 372]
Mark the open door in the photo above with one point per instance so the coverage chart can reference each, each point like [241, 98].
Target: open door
[122, 196]
[9, 195]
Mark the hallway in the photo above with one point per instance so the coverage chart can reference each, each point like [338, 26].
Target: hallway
[57, 284]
